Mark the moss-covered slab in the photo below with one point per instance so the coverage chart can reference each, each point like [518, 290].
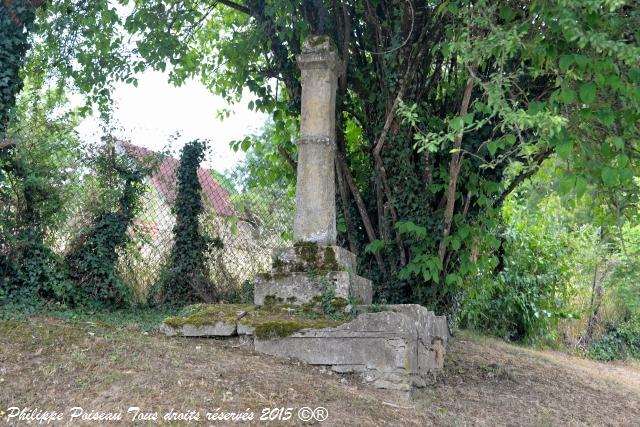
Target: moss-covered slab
[277, 321]
[207, 320]
[395, 347]
[273, 320]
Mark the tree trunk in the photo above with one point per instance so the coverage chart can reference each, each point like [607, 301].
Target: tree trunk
[454, 171]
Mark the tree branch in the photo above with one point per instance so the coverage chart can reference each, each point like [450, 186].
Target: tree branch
[236, 6]
[454, 171]
[541, 157]
[342, 165]
[288, 158]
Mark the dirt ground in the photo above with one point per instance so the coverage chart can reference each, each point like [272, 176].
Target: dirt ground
[53, 365]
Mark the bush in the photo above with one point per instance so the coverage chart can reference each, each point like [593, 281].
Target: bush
[527, 297]
[621, 341]
[35, 186]
[93, 256]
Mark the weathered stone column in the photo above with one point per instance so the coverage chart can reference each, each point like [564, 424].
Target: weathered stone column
[314, 226]
[315, 219]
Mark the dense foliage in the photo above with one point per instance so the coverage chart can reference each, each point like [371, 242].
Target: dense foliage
[93, 256]
[17, 20]
[35, 185]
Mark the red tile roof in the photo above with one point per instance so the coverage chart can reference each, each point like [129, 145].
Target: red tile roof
[164, 180]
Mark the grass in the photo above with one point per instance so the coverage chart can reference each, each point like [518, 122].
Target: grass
[109, 363]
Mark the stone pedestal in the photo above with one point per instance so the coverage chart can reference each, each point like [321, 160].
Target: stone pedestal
[305, 271]
[398, 348]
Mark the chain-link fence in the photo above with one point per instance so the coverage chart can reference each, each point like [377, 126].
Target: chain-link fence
[249, 222]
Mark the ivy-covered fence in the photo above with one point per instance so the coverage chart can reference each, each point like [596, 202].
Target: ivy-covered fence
[246, 225]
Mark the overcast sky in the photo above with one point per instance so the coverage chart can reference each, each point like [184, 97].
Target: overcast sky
[149, 114]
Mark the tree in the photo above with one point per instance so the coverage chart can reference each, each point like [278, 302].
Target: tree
[443, 110]
[16, 23]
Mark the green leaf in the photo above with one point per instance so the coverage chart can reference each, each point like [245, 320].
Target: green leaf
[568, 96]
[468, 118]
[374, 246]
[587, 92]
[492, 147]
[506, 13]
[610, 176]
[456, 123]
[426, 275]
[408, 227]
[606, 117]
[618, 142]
[581, 60]
[564, 149]
[565, 62]
[452, 278]
[567, 183]
[455, 244]
[581, 186]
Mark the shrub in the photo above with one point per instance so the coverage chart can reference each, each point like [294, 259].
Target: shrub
[186, 278]
[527, 297]
[621, 341]
[36, 183]
[93, 256]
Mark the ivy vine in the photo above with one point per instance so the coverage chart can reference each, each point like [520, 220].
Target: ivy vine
[186, 278]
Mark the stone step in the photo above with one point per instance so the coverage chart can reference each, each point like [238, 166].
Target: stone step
[310, 257]
[299, 288]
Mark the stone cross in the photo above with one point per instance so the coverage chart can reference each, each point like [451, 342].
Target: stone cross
[315, 219]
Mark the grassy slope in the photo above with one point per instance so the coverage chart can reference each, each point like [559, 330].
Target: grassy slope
[55, 364]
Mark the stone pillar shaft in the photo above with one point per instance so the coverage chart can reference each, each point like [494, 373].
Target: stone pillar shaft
[315, 219]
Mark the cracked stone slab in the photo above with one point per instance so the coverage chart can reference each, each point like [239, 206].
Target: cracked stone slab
[218, 329]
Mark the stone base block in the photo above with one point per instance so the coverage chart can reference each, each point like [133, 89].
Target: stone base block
[395, 349]
[298, 288]
[208, 320]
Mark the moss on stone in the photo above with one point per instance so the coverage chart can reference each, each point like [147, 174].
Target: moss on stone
[330, 262]
[339, 303]
[278, 265]
[275, 275]
[210, 314]
[275, 319]
[314, 259]
[272, 300]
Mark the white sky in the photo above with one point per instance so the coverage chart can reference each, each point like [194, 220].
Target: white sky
[149, 114]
